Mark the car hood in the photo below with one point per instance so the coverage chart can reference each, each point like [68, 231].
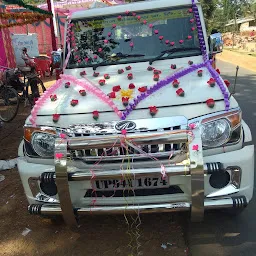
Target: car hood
[196, 88]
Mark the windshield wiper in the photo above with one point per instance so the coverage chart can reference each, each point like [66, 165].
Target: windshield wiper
[171, 51]
[118, 55]
[95, 66]
[124, 56]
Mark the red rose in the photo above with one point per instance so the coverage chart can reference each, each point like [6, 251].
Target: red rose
[106, 76]
[180, 92]
[175, 83]
[73, 102]
[55, 118]
[218, 71]
[156, 78]
[227, 83]
[82, 92]
[120, 71]
[131, 86]
[102, 82]
[130, 76]
[67, 84]
[116, 88]
[210, 103]
[112, 95]
[53, 97]
[200, 73]
[153, 110]
[125, 101]
[96, 74]
[143, 89]
[211, 82]
[157, 72]
[82, 73]
[95, 114]
[128, 68]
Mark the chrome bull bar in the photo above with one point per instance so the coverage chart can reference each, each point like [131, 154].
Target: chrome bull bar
[195, 168]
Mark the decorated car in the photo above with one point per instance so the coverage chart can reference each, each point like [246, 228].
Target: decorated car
[139, 121]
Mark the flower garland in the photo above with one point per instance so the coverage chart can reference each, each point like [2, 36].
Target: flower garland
[25, 18]
[158, 86]
[199, 31]
[29, 7]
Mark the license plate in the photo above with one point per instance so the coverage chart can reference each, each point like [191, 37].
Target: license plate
[139, 183]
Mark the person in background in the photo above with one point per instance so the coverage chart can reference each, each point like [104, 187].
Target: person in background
[29, 61]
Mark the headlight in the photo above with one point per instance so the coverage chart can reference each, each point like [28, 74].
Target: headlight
[39, 141]
[43, 144]
[215, 133]
[220, 129]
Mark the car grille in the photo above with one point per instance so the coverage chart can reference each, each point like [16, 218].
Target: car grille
[116, 154]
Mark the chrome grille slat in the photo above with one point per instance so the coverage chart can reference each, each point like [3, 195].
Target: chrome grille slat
[98, 135]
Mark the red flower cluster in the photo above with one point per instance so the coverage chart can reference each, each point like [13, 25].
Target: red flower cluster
[82, 92]
[73, 103]
[153, 110]
[95, 115]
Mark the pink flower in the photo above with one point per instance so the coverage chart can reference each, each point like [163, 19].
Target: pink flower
[150, 25]
[190, 10]
[55, 118]
[181, 41]
[105, 41]
[131, 44]
[189, 37]
[109, 34]
[167, 41]
[156, 31]
[195, 147]
[124, 132]
[95, 57]
[127, 12]
[63, 136]
[172, 43]
[193, 29]
[192, 20]
[192, 126]
[114, 26]
[73, 102]
[161, 37]
[144, 22]
[100, 50]
[82, 73]
[134, 14]
[59, 155]
[86, 59]
[138, 17]
[119, 17]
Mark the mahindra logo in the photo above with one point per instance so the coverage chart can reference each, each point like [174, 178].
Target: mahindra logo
[125, 125]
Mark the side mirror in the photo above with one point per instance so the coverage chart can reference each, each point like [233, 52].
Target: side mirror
[216, 43]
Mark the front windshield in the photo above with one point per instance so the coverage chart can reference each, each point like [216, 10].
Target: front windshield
[133, 37]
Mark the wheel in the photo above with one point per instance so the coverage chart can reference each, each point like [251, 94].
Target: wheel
[35, 89]
[9, 104]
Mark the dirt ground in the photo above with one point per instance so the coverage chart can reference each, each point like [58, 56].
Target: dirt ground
[161, 234]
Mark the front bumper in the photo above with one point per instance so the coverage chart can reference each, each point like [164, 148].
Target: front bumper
[193, 179]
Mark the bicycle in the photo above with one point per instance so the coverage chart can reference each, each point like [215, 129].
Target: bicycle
[27, 86]
[32, 84]
[9, 102]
